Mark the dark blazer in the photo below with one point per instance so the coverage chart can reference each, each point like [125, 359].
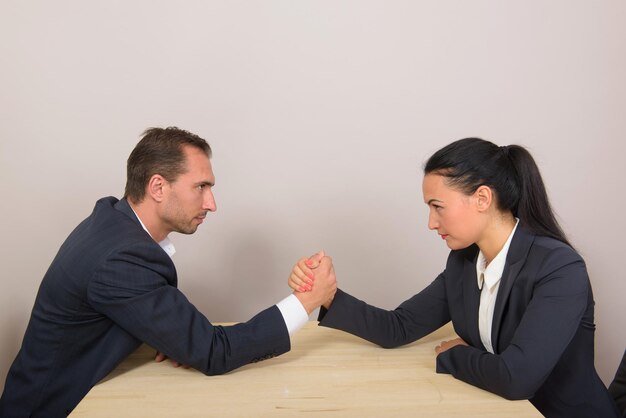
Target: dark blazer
[542, 334]
[617, 388]
[109, 288]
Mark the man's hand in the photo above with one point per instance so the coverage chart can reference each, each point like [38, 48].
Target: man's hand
[446, 345]
[323, 292]
[160, 357]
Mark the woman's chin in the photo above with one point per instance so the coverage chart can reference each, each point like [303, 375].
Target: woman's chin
[456, 245]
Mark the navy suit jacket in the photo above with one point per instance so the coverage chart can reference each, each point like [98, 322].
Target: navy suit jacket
[617, 388]
[110, 288]
[542, 333]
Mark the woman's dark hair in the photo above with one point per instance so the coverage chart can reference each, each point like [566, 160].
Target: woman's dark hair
[160, 151]
[510, 171]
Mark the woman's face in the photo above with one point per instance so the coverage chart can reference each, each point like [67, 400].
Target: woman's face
[454, 215]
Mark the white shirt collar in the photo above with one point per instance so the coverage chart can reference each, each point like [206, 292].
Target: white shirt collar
[166, 244]
[493, 272]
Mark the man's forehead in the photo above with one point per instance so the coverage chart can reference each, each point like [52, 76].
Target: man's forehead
[198, 165]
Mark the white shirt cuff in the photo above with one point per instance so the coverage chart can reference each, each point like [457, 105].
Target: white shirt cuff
[293, 312]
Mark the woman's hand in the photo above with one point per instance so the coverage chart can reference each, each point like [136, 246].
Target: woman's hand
[446, 345]
[159, 357]
[302, 277]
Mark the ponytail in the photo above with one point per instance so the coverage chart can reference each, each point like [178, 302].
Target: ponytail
[533, 206]
[510, 171]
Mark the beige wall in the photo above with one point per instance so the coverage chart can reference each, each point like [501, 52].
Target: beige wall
[320, 114]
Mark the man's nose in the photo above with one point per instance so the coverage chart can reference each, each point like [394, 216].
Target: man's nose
[209, 201]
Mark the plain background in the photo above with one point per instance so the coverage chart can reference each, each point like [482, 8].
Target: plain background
[320, 115]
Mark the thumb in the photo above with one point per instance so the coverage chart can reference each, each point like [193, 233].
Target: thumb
[315, 259]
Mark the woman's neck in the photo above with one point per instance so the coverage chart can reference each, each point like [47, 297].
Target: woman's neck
[495, 236]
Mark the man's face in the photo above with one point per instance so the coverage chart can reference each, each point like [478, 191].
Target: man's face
[188, 198]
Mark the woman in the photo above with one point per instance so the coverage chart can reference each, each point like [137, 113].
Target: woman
[617, 388]
[515, 290]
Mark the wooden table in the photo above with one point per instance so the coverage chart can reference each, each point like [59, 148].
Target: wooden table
[327, 373]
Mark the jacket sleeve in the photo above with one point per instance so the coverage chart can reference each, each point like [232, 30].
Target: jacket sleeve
[422, 314]
[131, 288]
[550, 321]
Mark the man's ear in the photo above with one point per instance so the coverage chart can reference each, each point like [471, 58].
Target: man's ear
[484, 198]
[155, 186]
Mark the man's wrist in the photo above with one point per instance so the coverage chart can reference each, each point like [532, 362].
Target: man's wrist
[293, 313]
[308, 305]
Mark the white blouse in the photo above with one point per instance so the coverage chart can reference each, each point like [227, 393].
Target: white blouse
[489, 283]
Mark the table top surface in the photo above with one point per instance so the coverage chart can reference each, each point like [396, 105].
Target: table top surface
[327, 372]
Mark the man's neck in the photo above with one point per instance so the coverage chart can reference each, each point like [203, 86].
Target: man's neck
[148, 217]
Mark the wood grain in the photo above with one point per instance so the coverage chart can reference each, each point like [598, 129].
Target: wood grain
[327, 373]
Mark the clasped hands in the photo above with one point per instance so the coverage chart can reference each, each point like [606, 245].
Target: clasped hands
[317, 271]
[313, 281]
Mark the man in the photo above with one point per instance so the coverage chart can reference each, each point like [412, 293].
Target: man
[113, 284]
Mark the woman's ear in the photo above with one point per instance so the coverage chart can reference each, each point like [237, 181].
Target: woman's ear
[484, 197]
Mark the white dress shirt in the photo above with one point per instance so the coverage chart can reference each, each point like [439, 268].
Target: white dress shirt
[489, 281]
[291, 309]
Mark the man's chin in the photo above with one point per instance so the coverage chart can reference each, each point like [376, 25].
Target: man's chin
[188, 230]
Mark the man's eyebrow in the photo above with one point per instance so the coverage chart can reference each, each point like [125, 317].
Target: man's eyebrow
[205, 183]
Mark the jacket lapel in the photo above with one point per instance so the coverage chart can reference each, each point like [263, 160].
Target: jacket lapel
[471, 298]
[518, 252]
[123, 206]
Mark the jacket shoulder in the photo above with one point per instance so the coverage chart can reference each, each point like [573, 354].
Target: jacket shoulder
[551, 249]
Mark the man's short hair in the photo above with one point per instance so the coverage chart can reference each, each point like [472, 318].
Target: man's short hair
[160, 151]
